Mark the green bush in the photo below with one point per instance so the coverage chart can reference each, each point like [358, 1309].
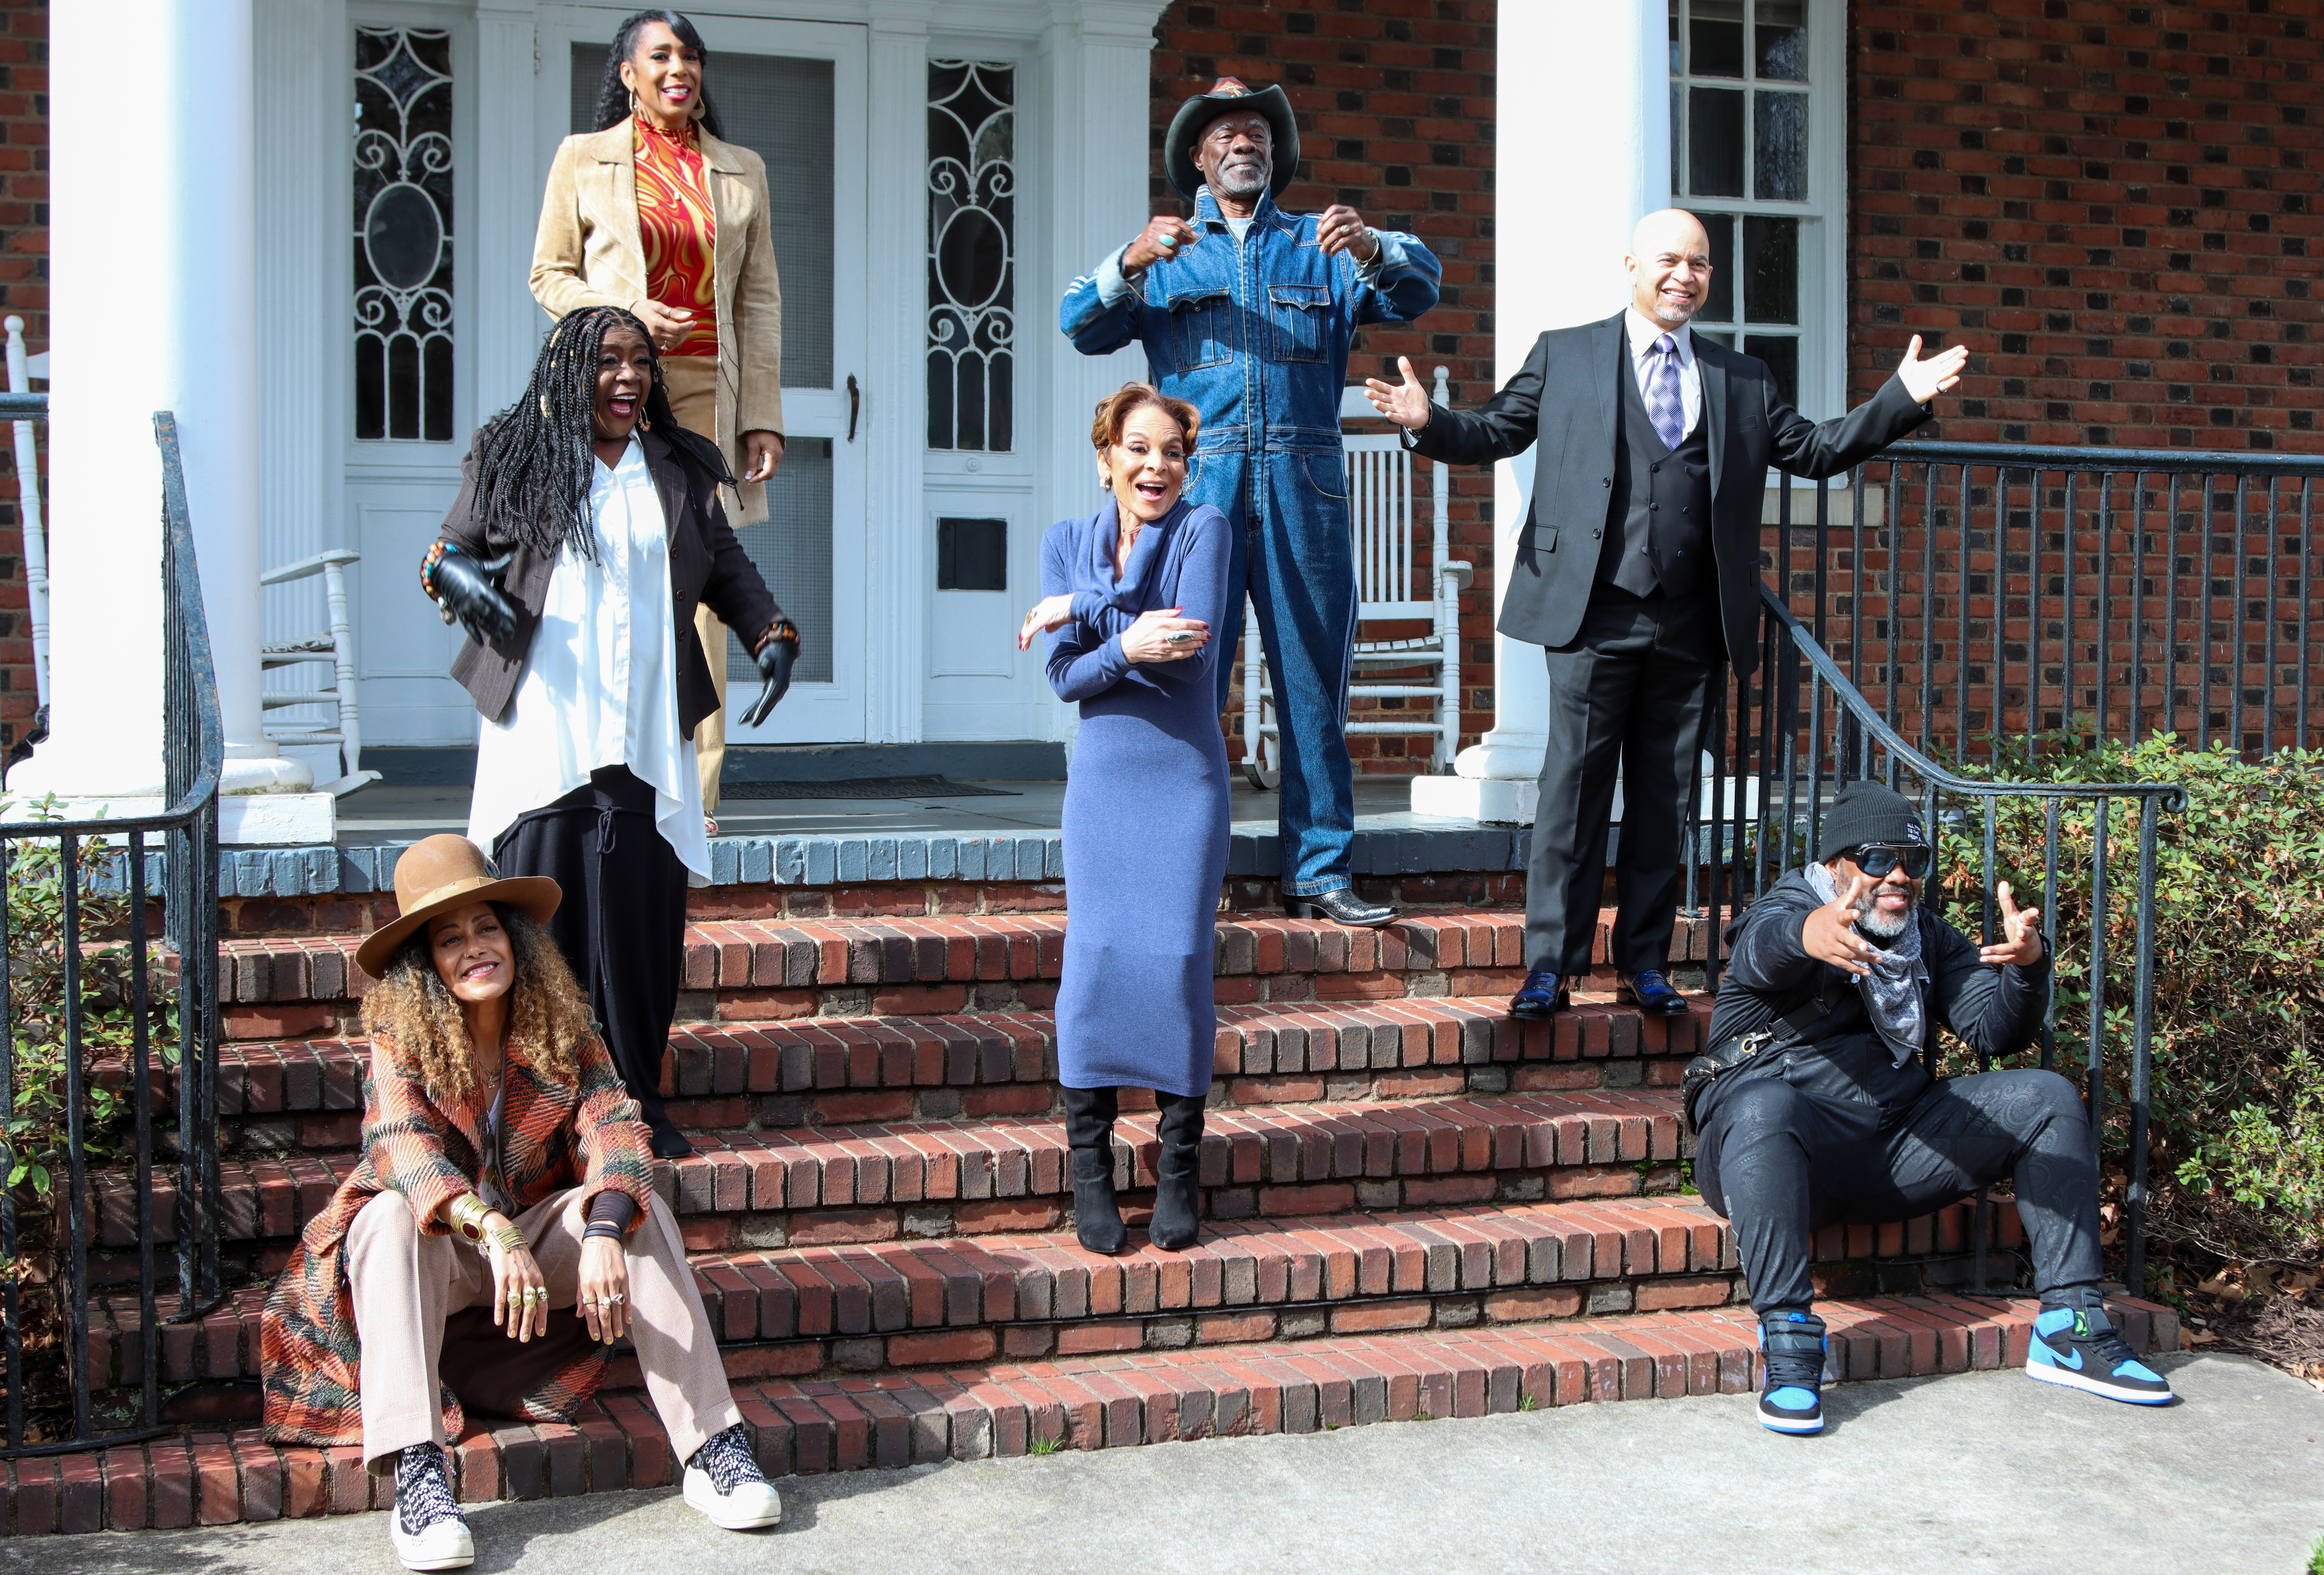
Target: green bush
[2237, 1127]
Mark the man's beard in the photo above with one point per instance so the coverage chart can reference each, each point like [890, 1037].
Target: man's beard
[1242, 183]
[1879, 923]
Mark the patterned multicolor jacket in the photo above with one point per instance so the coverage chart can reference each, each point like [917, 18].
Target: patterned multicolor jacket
[557, 1136]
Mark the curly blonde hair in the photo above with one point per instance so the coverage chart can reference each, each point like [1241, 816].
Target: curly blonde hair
[548, 1015]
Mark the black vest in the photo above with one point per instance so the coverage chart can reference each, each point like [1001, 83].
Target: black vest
[1658, 522]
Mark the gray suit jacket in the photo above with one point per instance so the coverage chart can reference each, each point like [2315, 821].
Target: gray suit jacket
[1565, 399]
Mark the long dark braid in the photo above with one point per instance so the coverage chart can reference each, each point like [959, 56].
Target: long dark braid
[613, 99]
[535, 470]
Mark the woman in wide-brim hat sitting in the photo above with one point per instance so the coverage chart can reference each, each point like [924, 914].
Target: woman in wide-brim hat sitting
[503, 1167]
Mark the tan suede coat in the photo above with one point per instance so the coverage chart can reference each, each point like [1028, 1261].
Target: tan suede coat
[589, 253]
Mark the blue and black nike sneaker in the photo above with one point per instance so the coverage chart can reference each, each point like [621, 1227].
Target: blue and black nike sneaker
[2081, 1349]
[1793, 1344]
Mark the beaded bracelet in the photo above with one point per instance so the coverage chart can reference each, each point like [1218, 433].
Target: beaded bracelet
[780, 629]
[434, 555]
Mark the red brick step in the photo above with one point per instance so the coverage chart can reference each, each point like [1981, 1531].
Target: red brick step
[815, 1426]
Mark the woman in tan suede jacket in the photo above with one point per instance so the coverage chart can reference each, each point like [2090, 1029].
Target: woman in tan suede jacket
[655, 214]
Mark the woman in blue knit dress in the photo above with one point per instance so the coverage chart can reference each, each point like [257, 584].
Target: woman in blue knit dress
[1130, 595]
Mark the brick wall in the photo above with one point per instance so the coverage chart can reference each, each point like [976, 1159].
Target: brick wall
[2116, 206]
[1395, 100]
[23, 293]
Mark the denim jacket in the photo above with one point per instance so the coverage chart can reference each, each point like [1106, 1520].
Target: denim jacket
[1256, 336]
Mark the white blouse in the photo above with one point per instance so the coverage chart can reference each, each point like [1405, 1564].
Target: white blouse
[600, 685]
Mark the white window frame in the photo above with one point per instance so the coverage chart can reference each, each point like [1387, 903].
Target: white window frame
[1823, 229]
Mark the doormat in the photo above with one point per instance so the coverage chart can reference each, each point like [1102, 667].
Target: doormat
[860, 787]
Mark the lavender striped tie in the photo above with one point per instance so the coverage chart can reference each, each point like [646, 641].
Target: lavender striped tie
[1665, 407]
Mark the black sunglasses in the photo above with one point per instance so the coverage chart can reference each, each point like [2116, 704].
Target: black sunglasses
[1875, 859]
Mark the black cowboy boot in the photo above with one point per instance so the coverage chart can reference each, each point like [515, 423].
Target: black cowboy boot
[1178, 1180]
[1089, 1136]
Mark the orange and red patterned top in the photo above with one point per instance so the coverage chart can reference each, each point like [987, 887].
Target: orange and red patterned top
[679, 230]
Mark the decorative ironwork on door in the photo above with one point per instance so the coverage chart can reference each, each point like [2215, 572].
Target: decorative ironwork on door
[404, 234]
[972, 255]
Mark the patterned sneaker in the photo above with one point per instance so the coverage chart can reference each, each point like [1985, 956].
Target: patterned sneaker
[2081, 1349]
[725, 1483]
[1793, 1343]
[427, 1530]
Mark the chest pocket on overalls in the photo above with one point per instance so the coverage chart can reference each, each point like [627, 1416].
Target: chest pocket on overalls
[1299, 314]
[1202, 326]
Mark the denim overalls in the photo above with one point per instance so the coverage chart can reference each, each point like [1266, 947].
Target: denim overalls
[1256, 335]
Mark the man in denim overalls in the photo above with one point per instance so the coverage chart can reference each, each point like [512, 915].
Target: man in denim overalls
[1248, 313]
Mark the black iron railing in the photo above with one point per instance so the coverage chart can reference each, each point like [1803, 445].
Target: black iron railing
[1790, 734]
[1988, 590]
[90, 855]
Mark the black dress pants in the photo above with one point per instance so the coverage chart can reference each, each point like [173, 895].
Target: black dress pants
[1782, 1163]
[1627, 695]
[622, 925]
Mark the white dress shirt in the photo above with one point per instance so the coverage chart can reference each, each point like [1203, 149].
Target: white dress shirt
[1644, 331]
[600, 685]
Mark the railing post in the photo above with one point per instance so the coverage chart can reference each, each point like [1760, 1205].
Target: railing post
[2142, 1044]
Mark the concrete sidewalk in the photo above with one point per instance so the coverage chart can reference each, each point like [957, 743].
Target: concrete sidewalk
[1984, 1472]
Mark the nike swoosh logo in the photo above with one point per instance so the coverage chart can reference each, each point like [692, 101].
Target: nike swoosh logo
[2073, 1359]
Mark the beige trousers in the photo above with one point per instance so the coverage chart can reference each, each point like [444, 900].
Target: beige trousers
[692, 383]
[405, 1283]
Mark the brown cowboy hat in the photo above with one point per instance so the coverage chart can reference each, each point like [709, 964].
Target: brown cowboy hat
[449, 872]
[1227, 95]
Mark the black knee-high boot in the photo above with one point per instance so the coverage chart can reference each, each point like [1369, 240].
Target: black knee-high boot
[1088, 1135]
[1177, 1190]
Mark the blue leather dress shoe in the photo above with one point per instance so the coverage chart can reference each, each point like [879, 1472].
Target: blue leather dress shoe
[1543, 996]
[1650, 991]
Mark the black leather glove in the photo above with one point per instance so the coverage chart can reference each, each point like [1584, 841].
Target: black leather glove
[774, 659]
[469, 589]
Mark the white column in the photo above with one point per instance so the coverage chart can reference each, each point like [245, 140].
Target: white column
[170, 323]
[1582, 132]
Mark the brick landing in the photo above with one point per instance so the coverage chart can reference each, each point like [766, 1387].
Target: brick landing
[889, 1421]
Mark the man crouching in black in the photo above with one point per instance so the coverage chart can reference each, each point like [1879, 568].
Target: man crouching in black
[1813, 1109]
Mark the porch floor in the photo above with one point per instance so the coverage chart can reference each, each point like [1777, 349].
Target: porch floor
[381, 815]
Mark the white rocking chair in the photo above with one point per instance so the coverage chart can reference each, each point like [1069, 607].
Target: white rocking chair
[333, 647]
[1379, 509]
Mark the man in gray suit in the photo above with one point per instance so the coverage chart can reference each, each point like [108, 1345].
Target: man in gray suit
[1641, 547]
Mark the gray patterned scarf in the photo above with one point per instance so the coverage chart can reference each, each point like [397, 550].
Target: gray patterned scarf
[1892, 990]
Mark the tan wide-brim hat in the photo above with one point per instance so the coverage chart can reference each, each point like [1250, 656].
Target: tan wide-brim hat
[449, 872]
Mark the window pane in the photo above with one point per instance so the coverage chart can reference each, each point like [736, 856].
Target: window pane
[1714, 141]
[792, 551]
[972, 239]
[1780, 170]
[1771, 270]
[1782, 354]
[1677, 61]
[1677, 135]
[403, 291]
[1781, 39]
[1715, 38]
[1721, 335]
[1719, 301]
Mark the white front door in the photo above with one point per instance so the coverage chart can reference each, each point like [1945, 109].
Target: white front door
[795, 94]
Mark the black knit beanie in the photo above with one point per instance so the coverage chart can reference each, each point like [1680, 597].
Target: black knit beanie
[1864, 811]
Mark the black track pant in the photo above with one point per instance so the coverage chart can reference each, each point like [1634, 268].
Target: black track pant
[1782, 1164]
[622, 925]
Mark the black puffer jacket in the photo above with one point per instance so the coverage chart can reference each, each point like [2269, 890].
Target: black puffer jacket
[1996, 1011]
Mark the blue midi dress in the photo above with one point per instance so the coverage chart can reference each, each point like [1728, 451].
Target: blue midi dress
[1146, 804]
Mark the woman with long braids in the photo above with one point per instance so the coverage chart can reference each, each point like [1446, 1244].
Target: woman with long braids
[588, 530]
[654, 211]
[503, 1168]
